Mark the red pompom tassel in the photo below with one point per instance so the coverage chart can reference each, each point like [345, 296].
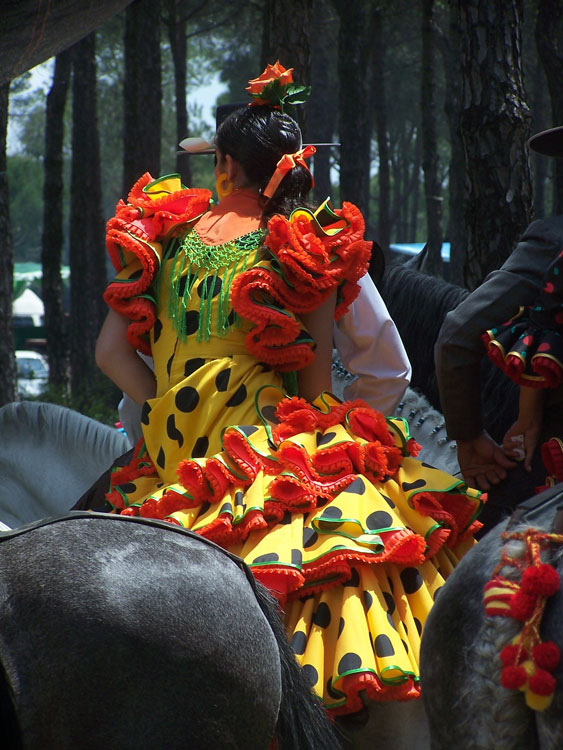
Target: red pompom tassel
[512, 654]
[546, 655]
[522, 605]
[540, 579]
[513, 677]
[542, 683]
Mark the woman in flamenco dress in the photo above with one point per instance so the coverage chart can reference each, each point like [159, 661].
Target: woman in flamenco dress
[243, 442]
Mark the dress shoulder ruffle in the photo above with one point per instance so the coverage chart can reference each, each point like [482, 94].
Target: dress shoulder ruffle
[529, 347]
[155, 211]
[311, 256]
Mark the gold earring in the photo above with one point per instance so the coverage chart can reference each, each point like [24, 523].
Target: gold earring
[223, 186]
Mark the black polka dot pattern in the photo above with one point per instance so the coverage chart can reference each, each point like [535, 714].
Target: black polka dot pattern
[173, 432]
[157, 329]
[192, 365]
[248, 429]
[322, 615]
[268, 557]
[211, 285]
[127, 487]
[388, 500]
[326, 438]
[296, 557]
[222, 380]
[238, 396]
[383, 646]
[332, 512]
[349, 662]
[311, 674]
[187, 399]
[411, 580]
[310, 536]
[201, 446]
[192, 322]
[379, 519]
[354, 579]
[298, 643]
[357, 487]
[169, 365]
[161, 458]
[269, 414]
[416, 485]
[389, 601]
[145, 412]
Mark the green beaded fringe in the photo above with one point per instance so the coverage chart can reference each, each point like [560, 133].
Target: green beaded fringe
[192, 255]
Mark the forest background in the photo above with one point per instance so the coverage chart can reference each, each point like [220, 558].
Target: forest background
[432, 103]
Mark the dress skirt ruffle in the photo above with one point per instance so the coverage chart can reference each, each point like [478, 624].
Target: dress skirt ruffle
[332, 512]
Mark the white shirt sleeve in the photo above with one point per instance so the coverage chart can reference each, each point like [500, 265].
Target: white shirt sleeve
[130, 411]
[370, 347]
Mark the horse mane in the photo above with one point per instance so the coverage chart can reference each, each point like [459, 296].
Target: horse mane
[418, 304]
[504, 721]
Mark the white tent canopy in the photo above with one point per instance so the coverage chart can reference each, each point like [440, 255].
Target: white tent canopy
[28, 305]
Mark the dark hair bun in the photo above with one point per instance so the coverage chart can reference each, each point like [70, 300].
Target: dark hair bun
[257, 137]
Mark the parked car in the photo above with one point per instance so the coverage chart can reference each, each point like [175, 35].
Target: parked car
[32, 373]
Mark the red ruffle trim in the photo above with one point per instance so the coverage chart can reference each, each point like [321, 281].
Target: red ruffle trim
[311, 268]
[303, 483]
[132, 235]
[354, 684]
[527, 362]
[552, 457]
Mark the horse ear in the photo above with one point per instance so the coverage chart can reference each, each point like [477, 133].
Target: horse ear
[418, 261]
[376, 263]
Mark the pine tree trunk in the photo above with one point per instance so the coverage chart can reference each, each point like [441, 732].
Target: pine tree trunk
[7, 359]
[322, 107]
[430, 163]
[380, 118]
[87, 227]
[354, 49]
[52, 240]
[289, 41]
[142, 92]
[549, 41]
[178, 47]
[495, 124]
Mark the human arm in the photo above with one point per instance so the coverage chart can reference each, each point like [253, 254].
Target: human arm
[524, 433]
[316, 377]
[370, 347]
[120, 362]
[459, 348]
[482, 461]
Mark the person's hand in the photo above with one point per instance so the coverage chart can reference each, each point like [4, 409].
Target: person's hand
[521, 441]
[522, 438]
[482, 461]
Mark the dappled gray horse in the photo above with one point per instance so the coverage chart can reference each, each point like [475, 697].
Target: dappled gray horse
[467, 707]
[137, 635]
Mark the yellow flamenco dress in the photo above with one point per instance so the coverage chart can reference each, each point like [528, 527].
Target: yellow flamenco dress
[325, 502]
